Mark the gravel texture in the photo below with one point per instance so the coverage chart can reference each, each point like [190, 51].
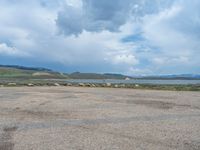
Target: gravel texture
[75, 118]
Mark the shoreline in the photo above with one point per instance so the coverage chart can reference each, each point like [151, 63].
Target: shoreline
[31, 83]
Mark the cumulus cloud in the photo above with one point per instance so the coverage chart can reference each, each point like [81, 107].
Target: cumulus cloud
[93, 16]
[96, 16]
[174, 35]
[10, 51]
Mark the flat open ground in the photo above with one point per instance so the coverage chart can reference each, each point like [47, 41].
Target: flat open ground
[62, 118]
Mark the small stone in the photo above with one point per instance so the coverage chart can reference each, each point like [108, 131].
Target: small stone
[56, 84]
[69, 84]
[12, 84]
[88, 85]
[136, 85]
[116, 86]
[81, 84]
[108, 84]
[30, 84]
[93, 85]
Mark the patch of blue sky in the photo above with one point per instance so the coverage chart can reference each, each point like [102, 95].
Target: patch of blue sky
[134, 38]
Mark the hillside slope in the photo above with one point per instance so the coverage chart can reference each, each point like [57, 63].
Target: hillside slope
[28, 72]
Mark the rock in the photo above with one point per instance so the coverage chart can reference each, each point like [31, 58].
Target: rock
[69, 84]
[88, 85]
[81, 84]
[93, 85]
[30, 84]
[116, 86]
[98, 85]
[108, 84]
[56, 84]
[101, 85]
[12, 84]
[136, 85]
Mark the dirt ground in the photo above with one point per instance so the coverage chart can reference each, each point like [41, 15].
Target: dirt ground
[65, 118]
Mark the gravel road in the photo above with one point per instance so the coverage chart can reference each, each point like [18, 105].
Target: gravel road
[75, 118]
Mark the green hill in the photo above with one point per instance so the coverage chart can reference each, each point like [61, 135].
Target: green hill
[29, 73]
[21, 72]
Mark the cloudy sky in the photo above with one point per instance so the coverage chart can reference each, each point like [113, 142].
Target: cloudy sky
[119, 36]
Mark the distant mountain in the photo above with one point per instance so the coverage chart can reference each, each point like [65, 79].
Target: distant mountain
[185, 76]
[25, 68]
[14, 71]
[178, 77]
[117, 76]
[78, 75]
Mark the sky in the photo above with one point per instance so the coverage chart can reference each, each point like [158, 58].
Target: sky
[133, 37]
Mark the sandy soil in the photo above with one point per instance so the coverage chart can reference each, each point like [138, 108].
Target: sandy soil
[62, 118]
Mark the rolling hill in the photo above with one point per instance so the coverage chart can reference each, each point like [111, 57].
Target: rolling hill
[21, 72]
[10, 71]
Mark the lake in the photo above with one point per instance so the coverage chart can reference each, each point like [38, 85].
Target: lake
[134, 81]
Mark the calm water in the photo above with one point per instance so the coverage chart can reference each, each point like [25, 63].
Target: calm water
[135, 81]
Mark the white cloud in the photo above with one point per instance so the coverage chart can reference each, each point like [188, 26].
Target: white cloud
[97, 16]
[11, 51]
[173, 34]
[169, 31]
[124, 59]
[94, 16]
[172, 60]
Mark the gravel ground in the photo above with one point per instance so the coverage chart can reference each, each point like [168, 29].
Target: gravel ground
[65, 118]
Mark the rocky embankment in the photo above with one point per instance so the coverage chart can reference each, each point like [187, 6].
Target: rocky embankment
[105, 85]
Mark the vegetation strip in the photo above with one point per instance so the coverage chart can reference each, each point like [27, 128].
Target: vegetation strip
[30, 83]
